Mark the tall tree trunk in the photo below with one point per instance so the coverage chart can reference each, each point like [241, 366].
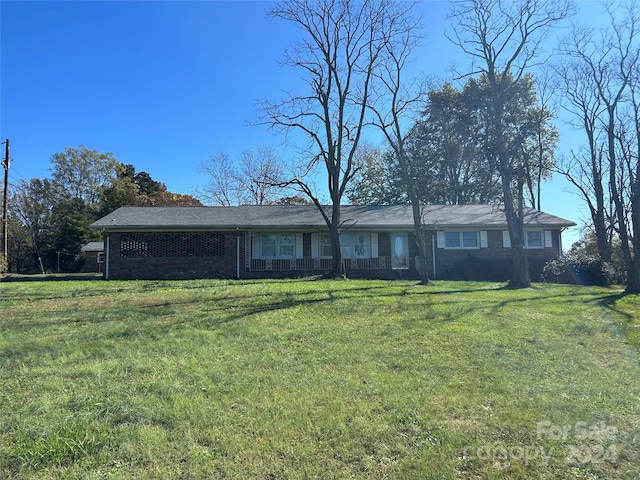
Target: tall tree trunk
[633, 280]
[334, 233]
[633, 263]
[418, 234]
[520, 274]
[598, 217]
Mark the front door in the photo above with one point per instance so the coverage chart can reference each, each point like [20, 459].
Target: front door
[399, 251]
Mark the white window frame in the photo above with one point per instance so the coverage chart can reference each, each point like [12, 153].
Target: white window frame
[361, 245]
[461, 240]
[349, 245]
[546, 239]
[535, 246]
[100, 257]
[280, 245]
[325, 247]
[355, 245]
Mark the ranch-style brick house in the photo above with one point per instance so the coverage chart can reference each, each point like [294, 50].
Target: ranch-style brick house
[463, 241]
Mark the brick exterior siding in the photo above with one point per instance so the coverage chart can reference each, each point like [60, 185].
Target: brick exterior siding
[491, 263]
[215, 255]
[91, 264]
[187, 255]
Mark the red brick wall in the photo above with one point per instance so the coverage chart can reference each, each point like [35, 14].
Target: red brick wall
[91, 264]
[219, 261]
[492, 263]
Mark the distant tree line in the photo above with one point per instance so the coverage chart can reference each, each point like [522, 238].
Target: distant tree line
[49, 218]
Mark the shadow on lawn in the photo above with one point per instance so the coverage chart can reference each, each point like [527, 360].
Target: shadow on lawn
[176, 305]
[219, 307]
[102, 306]
[609, 302]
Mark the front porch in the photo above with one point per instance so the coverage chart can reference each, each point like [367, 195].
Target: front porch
[318, 264]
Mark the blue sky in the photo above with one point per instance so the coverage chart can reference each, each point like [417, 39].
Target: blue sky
[164, 85]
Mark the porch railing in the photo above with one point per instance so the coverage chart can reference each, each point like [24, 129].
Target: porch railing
[318, 264]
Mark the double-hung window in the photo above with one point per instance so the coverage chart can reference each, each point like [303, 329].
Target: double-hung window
[469, 239]
[451, 239]
[325, 246]
[352, 245]
[355, 245]
[277, 245]
[361, 245]
[463, 239]
[345, 245]
[534, 239]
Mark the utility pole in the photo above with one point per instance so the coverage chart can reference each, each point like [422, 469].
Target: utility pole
[5, 203]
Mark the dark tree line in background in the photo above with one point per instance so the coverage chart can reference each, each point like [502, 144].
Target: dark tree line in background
[49, 218]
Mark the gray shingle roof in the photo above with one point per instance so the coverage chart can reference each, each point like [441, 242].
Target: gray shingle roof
[308, 217]
[93, 247]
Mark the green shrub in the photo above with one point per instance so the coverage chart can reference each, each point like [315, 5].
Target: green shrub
[579, 268]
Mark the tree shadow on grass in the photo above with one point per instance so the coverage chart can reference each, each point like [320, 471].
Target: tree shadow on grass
[212, 310]
[609, 302]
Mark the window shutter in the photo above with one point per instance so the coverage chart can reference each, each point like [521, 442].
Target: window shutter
[548, 241]
[374, 245]
[506, 239]
[483, 239]
[315, 245]
[440, 239]
[255, 245]
[299, 246]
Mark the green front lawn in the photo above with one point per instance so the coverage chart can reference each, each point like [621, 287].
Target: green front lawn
[317, 379]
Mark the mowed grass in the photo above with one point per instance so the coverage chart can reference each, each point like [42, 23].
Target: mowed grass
[317, 379]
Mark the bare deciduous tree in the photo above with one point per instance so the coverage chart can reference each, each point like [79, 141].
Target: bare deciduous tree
[342, 48]
[605, 92]
[221, 188]
[504, 41]
[259, 172]
[586, 168]
[395, 107]
[251, 180]
[541, 160]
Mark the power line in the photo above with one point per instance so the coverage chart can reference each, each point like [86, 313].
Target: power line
[22, 177]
